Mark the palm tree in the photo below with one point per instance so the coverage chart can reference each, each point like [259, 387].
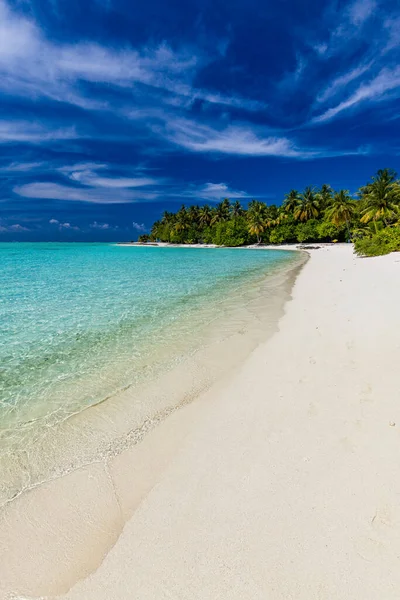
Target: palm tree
[167, 217]
[308, 205]
[205, 216]
[182, 219]
[291, 201]
[325, 195]
[257, 218]
[221, 212]
[193, 214]
[341, 209]
[381, 197]
[236, 209]
[273, 217]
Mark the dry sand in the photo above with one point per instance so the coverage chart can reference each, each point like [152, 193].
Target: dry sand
[282, 482]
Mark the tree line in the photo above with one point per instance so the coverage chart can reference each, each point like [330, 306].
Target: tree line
[371, 216]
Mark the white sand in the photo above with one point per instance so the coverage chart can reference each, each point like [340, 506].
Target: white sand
[286, 482]
[288, 487]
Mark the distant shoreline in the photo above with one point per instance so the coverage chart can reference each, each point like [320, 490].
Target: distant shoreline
[295, 246]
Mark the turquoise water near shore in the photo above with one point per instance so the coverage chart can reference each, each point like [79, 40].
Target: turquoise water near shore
[79, 322]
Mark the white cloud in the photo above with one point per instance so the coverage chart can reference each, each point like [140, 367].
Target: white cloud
[68, 169]
[138, 226]
[21, 167]
[91, 179]
[86, 174]
[63, 225]
[93, 188]
[342, 81]
[234, 139]
[26, 131]
[321, 48]
[373, 91]
[102, 226]
[213, 192]
[68, 226]
[360, 10]
[25, 68]
[56, 191]
[15, 228]
[392, 33]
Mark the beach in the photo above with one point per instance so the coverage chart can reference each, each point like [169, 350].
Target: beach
[279, 480]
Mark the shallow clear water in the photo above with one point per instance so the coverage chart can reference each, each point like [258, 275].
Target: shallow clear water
[78, 322]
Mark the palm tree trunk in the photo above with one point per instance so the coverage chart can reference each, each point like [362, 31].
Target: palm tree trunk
[348, 230]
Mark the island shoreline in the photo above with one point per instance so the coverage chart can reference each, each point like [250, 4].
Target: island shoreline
[35, 503]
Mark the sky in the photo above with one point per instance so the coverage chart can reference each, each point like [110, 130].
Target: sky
[113, 111]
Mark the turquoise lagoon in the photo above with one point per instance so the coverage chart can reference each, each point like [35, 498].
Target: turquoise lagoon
[80, 322]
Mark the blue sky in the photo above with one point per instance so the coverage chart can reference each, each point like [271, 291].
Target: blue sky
[113, 111]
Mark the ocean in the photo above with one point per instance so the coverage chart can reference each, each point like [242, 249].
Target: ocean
[79, 323]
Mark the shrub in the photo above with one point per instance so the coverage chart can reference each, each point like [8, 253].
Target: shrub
[385, 241]
[286, 232]
[231, 233]
[307, 232]
[143, 238]
[327, 232]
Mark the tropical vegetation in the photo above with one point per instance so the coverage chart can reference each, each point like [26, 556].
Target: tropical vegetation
[370, 218]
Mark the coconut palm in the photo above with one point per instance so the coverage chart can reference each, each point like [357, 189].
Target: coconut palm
[325, 195]
[257, 218]
[308, 205]
[291, 201]
[221, 212]
[205, 216]
[182, 220]
[193, 214]
[236, 209]
[381, 197]
[341, 209]
[167, 217]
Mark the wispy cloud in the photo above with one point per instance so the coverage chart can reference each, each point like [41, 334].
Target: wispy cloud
[360, 10]
[21, 167]
[55, 191]
[373, 91]
[214, 192]
[26, 70]
[25, 131]
[234, 139]
[342, 81]
[89, 186]
[89, 178]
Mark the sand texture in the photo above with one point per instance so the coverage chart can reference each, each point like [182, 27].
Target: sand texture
[285, 484]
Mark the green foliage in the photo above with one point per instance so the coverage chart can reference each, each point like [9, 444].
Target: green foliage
[231, 233]
[308, 231]
[327, 232]
[143, 238]
[283, 233]
[385, 241]
[310, 216]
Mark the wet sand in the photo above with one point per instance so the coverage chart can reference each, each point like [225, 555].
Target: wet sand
[90, 474]
[287, 485]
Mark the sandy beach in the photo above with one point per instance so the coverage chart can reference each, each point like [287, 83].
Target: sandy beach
[278, 482]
